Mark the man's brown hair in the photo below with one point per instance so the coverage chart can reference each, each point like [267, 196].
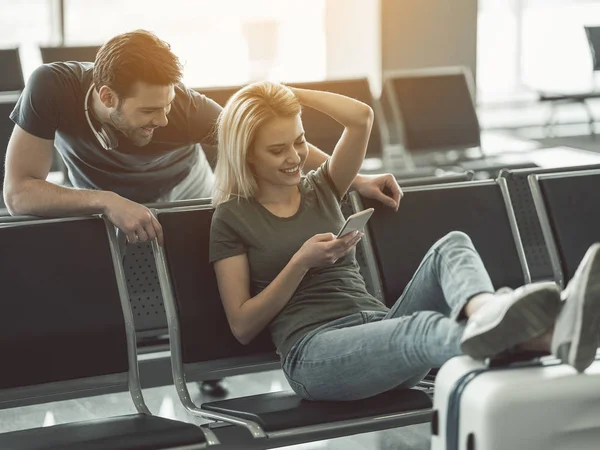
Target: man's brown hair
[135, 56]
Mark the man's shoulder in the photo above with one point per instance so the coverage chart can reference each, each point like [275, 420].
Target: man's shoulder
[61, 78]
[65, 71]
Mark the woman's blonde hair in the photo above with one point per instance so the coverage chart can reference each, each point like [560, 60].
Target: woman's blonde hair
[245, 112]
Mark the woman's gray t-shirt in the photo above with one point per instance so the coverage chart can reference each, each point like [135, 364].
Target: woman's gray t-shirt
[325, 293]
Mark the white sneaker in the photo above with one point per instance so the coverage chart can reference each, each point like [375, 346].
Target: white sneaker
[577, 332]
[514, 318]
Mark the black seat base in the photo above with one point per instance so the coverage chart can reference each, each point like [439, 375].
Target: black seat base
[136, 431]
[285, 410]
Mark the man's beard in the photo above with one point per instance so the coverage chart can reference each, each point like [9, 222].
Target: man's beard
[133, 134]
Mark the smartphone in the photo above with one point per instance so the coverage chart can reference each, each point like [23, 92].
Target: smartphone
[356, 222]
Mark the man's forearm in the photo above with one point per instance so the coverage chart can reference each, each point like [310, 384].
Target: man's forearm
[41, 198]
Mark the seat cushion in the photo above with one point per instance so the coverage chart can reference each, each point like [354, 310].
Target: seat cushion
[284, 410]
[136, 431]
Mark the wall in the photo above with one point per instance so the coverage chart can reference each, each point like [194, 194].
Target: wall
[428, 33]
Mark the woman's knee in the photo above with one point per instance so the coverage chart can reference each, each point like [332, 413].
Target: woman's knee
[455, 238]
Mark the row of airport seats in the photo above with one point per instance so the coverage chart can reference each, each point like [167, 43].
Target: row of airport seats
[67, 327]
[144, 287]
[321, 129]
[424, 119]
[431, 118]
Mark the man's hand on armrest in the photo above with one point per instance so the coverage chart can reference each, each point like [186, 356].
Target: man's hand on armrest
[383, 187]
[26, 191]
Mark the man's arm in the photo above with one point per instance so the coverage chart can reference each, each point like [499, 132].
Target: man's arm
[26, 191]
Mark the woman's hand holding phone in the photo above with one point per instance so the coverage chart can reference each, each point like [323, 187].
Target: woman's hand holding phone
[325, 249]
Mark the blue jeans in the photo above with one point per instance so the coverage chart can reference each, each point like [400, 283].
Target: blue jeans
[367, 353]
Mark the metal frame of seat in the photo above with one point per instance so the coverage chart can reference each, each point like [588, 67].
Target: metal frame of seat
[536, 249]
[71, 388]
[265, 360]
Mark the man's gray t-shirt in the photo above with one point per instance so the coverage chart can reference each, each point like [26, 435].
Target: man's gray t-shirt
[52, 107]
[325, 293]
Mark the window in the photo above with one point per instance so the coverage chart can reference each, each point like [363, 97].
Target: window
[528, 44]
[220, 43]
[26, 25]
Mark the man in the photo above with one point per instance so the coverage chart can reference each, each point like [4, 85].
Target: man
[129, 132]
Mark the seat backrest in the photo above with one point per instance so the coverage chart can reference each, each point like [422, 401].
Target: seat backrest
[11, 75]
[79, 54]
[401, 239]
[536, 250]
[434, 109]
[324, 132]
[202, 319]
[321, 130]
[62, 318]
[567, 204]
[593, 37]
[143, 286]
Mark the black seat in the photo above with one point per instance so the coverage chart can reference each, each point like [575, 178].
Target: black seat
[79, 54]
[202, 343]
[425, 124]
[567, 206]
[324, 132]
[435, 132]
[66, 332]
[536, 250]
[321, 130]
[11, 76]
[131, 432]
[284, 410]
[401, 239]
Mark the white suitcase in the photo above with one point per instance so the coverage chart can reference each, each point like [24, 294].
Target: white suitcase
[540, 405]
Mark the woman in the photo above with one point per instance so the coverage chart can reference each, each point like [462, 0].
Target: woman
[279, 264]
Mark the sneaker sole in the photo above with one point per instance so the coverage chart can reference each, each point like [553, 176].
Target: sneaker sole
[582, 351]
[525, 319]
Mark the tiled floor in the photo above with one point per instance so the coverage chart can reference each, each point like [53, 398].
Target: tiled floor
[163, 402]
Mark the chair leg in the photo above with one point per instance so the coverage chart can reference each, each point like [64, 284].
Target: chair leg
[550, 121]
[590, 117]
